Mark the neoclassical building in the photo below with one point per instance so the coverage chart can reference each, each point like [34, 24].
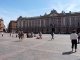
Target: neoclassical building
[2, 25]
[12, 26]
[58, 22]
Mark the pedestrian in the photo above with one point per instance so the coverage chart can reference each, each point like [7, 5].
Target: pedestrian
[19, 35]
[32, 34]
[52, 34]
[22, 35]
[78, 37]
[40, 35]
[27, 35]
[74, 38]
[16, 35]
[2, 34]
[10, 34]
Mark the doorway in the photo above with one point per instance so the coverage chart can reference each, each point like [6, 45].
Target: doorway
[78, 30]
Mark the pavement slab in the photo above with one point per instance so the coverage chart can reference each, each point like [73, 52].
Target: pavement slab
[37, 49]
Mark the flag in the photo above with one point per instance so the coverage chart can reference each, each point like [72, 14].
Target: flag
[52, 24]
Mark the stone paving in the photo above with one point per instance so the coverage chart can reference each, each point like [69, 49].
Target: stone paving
[37, 49]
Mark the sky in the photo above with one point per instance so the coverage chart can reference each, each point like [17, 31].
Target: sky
[12, 9]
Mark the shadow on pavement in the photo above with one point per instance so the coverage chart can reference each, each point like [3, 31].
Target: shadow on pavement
[67, 53]
[16, 41]
[50, 40]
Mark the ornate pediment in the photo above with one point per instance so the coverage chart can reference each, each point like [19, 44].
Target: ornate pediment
[53, 13]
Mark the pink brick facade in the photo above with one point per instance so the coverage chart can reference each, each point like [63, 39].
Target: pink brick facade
[62, 22]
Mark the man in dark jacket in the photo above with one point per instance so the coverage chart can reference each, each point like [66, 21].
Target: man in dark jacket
[52, 34]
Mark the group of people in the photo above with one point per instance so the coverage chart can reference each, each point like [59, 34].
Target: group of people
[20, 35]
[39, 36]
[75, 38]
[30, 35]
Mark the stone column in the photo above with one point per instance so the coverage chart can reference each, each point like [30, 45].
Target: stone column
[44, 23]
[70, 21]
[40, 23]
[21, 24]
[64, 21]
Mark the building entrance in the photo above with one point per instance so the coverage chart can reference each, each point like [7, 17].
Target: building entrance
[78, 30]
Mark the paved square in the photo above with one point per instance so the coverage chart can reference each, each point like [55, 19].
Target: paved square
[37, 49]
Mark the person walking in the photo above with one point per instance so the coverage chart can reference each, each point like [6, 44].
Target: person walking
[78, 37]
[40, 35]
[52, 34]
[19, 35]
[10, 34]
[22, 35]
[74, 38]
[2, 34]
[16, 35]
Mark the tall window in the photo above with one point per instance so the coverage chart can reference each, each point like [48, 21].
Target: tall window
[37, 23]
[67, 21]
[59, 18]
[72, 18]
[78, 18]
[42, 23]
[59, 24]
[79, 23]
[21, 24]
[66, 18]
[47, 23]
[73, 23]
[24, 24]
[29, 23]
[34, 23]
[18, 24]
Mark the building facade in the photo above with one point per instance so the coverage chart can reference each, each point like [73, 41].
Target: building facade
[58, 22]
[1, 25]
[12, 27]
